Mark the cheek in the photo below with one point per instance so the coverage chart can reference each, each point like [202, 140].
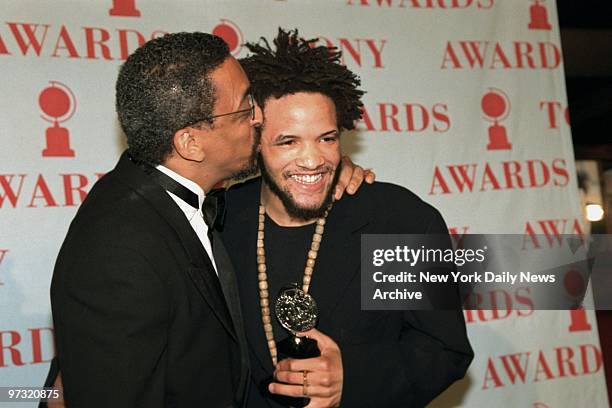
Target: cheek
[276, 160]
[333, 156]
[242, 132]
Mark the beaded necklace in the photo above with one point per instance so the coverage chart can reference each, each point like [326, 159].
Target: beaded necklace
[262, 276]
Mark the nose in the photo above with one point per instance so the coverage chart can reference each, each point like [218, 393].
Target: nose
[258, 117]
[310, 157]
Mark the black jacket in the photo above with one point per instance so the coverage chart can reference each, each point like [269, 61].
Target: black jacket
[141, 319]
[390, 358]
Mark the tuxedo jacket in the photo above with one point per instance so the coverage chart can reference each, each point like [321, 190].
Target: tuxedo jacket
[141, 318]
[390, 358]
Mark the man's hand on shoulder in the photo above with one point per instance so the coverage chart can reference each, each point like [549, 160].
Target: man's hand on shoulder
[351, 177]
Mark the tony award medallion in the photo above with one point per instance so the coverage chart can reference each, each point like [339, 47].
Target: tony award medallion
[297, 312]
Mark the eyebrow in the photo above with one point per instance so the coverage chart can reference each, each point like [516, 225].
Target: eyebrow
[329, 132]
[283, 137]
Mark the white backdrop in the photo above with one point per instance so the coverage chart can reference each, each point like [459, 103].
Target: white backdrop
[466, 106]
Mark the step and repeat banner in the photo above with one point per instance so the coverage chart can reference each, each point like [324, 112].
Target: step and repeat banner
[465, 105]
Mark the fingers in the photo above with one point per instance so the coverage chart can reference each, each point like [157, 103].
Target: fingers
[322, 339]
[370, 176]
[356, 180]
[346, 172]
[339, 191]
[351, 177]
[291, 390]
[320, 377]
[306, 364]
[323, 379]
[290, 377]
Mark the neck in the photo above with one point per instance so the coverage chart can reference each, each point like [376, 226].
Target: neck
[194, 171]
[276, 210]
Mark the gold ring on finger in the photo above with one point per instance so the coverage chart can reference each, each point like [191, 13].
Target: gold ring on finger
[305, 383]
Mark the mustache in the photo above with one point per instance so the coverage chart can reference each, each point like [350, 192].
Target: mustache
[326, 168]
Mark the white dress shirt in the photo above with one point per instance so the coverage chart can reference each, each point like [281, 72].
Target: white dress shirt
[194, 215]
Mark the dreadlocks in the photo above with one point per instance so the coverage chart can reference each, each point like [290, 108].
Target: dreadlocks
[298, 66]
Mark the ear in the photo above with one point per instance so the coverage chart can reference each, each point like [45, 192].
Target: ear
[188, 144]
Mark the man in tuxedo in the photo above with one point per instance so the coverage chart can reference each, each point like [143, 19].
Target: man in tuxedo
[144, 296]
[367, 358]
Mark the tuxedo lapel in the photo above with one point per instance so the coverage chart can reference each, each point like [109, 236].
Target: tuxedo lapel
[227, 279]
[201, 272]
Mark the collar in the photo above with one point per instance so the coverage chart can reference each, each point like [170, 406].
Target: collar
[189, 210]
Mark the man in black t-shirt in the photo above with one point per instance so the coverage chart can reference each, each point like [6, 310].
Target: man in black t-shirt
[284, 220]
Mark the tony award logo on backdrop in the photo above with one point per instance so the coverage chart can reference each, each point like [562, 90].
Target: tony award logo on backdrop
[58, 105]
[124, 8]
[575, 286]
[538, 16]
[496, 107]
[231, 34]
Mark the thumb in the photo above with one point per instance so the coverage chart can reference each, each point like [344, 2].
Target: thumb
[322, 339]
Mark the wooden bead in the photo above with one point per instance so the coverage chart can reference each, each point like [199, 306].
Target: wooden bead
[262, 276]
[264, 293]
[308, 270]
[265, 311]
[267, 327]
[305, 288]
[261, 225]
[261, 268]
[264, 303]
[269, 335]
[312, 254]
[319, 229]
[263, 285]
[261, 251]
[307, 279]
[262, 218]
[271, 344]
[310, 262]
[321, 221]
[316, 238]
[260, 235]
[261, 259]
[315, 246]
[262, 209]
[266, 319]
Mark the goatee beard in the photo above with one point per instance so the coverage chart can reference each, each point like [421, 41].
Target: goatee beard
[293, 208]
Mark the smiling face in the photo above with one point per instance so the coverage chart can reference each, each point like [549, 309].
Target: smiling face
[300, 155]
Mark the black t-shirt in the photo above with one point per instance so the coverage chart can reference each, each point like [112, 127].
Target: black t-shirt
[286, 254]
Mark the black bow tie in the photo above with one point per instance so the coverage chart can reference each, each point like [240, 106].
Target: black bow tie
[213, 207]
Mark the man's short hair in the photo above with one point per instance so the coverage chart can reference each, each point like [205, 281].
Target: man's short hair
[164, 86]
[296, 65]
